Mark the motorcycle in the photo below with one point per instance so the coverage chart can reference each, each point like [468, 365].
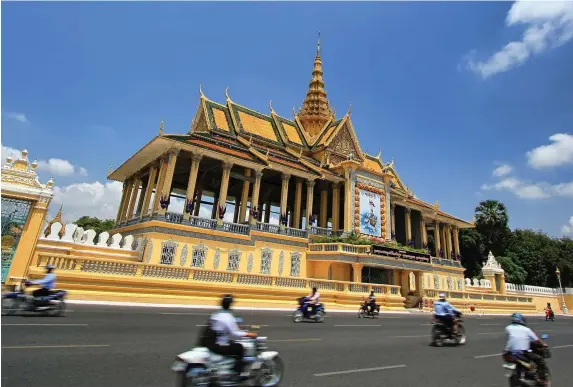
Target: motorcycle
[305, 311]
[367, 310]
[549, 315]
[202, 368]
[522, 372]
[441, 333]
[18, 301]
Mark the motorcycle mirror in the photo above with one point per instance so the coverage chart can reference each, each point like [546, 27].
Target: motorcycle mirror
[239, 320]
[545, 336]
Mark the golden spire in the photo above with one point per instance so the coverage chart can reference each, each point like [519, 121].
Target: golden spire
[58, 219]
[315, 111]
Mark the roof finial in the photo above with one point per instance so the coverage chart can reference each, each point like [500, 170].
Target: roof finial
[349, 110]
[161, 128]
[318, 46]
[379, 153]
[227, 93]
[271, 106]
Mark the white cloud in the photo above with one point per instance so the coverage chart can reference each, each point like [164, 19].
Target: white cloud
[548, 24]
[527, 190]
[89, 199]
[502, 170]
[21, 117]
[559, 152]
[568, 228]
[53, 166]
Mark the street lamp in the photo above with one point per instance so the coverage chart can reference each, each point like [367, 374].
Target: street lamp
[563, 306]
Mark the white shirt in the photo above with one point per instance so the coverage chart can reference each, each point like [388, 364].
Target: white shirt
[315, 297]
[225, 324]
[519, 337]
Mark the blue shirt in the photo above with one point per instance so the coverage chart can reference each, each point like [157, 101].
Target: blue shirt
[443, 308]
[519, 338]
[48, 282]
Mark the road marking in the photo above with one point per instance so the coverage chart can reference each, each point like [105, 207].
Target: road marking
[501, 333]
[291, 340]
[44, 325]
[361, 370]
[485, 325]
[55, 346]
[186, 314]
[562, 346]
[241, 325]
[406, 337]
[357, 325]
[484, 356]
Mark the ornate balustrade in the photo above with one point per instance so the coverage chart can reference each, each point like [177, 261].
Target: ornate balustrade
[65, 263]
[446, 262]
[325, 231]
[267, 227]
[295, 232]
[344, 247]
[474, 296]
[530, 289]
[236, 228]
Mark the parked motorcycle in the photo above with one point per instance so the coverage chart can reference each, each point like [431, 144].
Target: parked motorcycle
[308, 312]
[522, 372]
[441, 333]
[202, 368]
[18, 301]
[368, 311]
[549, 315]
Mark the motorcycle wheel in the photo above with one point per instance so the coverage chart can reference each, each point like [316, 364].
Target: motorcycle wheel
[57, 310]
[297, 316]
[461, 337]
[436, 337]
[361, 313]
[547, 375]
[10, 306]
[271, 373]
[319, 317]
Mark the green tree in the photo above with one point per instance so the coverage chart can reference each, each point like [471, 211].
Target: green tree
[514, 273]
[92, 223]
[492, 223]
[473, 252]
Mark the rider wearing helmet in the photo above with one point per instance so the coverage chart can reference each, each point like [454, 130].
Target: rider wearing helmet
[47, 283]
[225, 326]
[519, 341]
[371, 301]
[445, 312]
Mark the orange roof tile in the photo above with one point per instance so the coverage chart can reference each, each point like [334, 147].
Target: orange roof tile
[221, 119]
[258, 126]
[372, 165]
[292, 133]
[328, 133]
[218, 148]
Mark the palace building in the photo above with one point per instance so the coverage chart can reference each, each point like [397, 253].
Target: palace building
[259, 188]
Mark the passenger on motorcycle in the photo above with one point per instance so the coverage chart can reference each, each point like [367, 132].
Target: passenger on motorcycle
[313, 299]
[446, 313]
[370, 302]
[519, 341]
[47, 283]
[225, 326]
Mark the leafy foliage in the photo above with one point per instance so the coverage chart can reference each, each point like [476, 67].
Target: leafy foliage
[527, 256]
[91, 223]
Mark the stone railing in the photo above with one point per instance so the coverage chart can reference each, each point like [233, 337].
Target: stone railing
[530, 289]
[267, 227]
[295, 232]
[74, 234]
[236, 228]
[478, 283]
[325, 231]
[471, 296]
[344, 247]
[64, 263]
[446, 262]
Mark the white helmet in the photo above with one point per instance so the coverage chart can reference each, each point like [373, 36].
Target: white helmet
[442, 296]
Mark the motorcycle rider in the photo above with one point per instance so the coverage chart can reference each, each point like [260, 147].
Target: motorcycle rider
[224, 324]
[446, 313]
[370, 301]
[549, 310]
[313, 299]
[47, 283]
[520, 338]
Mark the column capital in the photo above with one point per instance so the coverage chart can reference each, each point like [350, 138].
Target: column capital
[310, 183]
[258, 173]
[196, 157]
[173, 152]
[335, 185]
[407, 210]
[285, 176]
[392, 206]
[227, 165]
[437, 222]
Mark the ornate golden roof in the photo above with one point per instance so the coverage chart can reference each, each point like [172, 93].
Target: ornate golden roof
[315, 111]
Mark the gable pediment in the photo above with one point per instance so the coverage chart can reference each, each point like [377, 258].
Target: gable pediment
[344, 143]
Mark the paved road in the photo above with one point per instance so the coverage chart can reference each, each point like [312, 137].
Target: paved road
[96, 346]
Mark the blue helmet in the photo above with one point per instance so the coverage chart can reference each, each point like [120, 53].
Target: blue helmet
[517, 318]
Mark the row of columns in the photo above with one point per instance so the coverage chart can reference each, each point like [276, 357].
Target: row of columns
[442, 233]
[161, 179]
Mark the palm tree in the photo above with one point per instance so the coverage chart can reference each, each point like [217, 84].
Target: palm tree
[492, 223]
[491, 213]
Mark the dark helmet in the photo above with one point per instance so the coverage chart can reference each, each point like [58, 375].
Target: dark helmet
[517, 318]
[49, 268]
[314, 290]
[372, 292]
[227, 301]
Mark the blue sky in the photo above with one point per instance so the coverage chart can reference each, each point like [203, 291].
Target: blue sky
[88, 84]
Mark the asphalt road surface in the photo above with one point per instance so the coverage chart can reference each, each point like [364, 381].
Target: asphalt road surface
[95, 346]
